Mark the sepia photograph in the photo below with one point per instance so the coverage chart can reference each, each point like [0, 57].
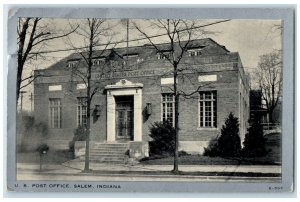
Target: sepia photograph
[108, 100]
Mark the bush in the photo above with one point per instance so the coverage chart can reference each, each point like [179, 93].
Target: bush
[183, 153]
[80, 134]
[254, 143]
[212, 150]
[229, 143]
[163, 139]
[31, 134]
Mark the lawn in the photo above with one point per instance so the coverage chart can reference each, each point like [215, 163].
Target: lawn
[52, 157]
[273, 157]
[205, 160]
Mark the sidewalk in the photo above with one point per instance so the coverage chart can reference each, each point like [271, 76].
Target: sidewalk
[76, 164]
[76, 167]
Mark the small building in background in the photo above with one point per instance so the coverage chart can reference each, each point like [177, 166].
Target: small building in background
[258, 109]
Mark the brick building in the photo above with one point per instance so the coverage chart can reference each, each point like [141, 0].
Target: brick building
[136, 92]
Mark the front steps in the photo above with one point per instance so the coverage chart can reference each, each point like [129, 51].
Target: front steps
[108, 152]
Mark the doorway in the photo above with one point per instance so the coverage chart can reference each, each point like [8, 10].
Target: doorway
[124, 118]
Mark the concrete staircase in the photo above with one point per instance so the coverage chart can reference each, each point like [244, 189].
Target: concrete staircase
[108, 152]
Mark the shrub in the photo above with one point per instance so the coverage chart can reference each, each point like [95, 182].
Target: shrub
[183, 153]
[212, 149]
[254, 143]
[31, 134]
[229, 143]
[80, 134]
[163, 139]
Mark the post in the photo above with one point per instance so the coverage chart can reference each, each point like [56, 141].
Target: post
[127, 27]
[31, 99]
[41, 161]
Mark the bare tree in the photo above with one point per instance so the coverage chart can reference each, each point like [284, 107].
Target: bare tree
[270, 80]
[33, 35]
[179, 34]
[95, 33]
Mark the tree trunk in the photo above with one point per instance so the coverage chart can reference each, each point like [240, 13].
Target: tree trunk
[87, 144]
[19, 80]
[176, 121]
[88, 125]
[175, 169]
[270, 114]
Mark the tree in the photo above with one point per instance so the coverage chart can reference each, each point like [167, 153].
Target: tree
[254, 143]
[92, 31]
[229, 143]
[179, 34]
[270, 80]
[33, 35]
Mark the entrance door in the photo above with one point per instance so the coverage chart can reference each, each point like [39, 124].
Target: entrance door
[124, 118]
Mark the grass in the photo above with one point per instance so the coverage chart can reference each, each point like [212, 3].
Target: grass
[205, 160]
[52, 157]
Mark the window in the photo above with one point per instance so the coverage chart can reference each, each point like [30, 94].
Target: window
[98, 61]
[72, 63]
[81, 111]
[194, 52]
[55, 112]
[163, 55]
[168, 107]
[208, 109]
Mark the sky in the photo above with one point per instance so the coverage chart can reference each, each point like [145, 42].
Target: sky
[251, 38]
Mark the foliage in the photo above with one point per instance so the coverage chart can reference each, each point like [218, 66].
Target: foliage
[180, 34]
[254, 143]
[80, 134]
[183, 153]
[229, 143]
[270, 80]
[212, 149]
[31, 134]
[163, 139]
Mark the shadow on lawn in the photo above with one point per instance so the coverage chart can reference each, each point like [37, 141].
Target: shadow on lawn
[52, 157]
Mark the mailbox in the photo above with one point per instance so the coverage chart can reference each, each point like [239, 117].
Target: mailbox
[43, 149]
